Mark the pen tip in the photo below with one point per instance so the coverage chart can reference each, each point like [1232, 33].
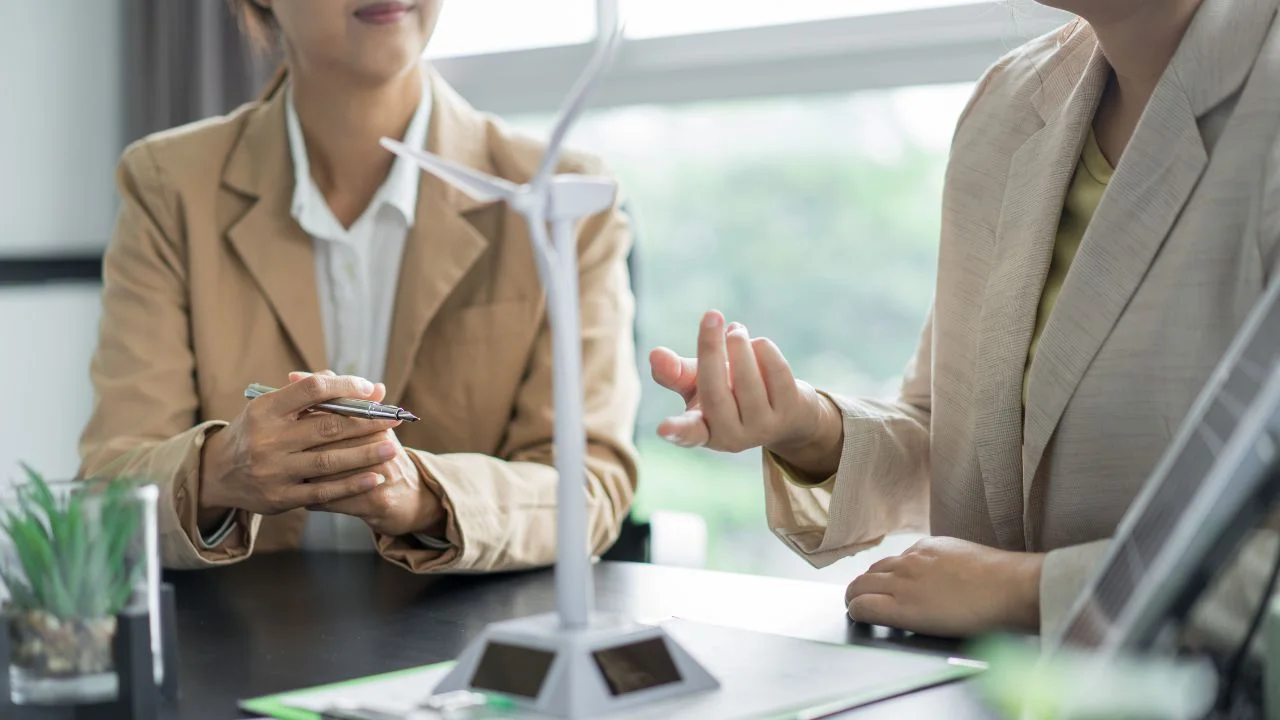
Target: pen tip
[406, 415]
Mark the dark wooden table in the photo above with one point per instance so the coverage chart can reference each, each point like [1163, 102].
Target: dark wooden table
[285, 622]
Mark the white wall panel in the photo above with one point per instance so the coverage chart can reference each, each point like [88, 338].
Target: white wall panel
[47, 336]
[62, 115]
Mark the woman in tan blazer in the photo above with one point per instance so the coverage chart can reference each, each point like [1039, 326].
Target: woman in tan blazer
[281, 240]
[1111, 214]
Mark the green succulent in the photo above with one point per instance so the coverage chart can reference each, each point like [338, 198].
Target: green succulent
[62, 569]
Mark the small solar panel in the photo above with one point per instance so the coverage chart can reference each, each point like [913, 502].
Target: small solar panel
[1209, 489]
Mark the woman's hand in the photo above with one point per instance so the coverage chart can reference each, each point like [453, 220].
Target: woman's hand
[399, 505]
[261, 461]
[740, 394]
[951, 588]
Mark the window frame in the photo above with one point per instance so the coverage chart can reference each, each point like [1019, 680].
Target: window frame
[924, 46]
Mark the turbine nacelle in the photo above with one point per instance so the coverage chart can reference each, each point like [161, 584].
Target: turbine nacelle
[575, 196]
[549, 198]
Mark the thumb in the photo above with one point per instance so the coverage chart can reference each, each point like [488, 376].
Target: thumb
[675, 373]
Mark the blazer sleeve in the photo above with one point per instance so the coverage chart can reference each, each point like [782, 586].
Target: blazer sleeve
[881, 485]
[145, 419]
[1063, 577]
[501, 510]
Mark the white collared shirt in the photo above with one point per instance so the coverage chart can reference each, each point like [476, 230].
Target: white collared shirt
[357, 272]
[358, 268]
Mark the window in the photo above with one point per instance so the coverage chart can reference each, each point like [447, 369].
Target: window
[814, 220]
[654, 18]
[471, 27]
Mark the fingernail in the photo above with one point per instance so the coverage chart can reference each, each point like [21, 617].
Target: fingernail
[366, 387]
[712, 320]
[378, 480]
[734, 326]
[672, 438]
[386, 451]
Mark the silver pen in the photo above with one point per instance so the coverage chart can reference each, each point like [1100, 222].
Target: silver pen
[343, 406]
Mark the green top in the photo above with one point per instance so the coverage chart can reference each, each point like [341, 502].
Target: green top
[1091, 178]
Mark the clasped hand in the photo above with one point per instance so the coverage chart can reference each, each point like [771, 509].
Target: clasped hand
[277, 456]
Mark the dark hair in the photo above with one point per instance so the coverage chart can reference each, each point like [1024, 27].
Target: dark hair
[259, 25]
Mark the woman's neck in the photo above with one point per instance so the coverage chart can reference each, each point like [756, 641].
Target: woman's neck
[1138, 40]
[343, 124]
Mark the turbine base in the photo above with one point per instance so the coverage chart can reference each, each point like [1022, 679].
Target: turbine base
[614, 664]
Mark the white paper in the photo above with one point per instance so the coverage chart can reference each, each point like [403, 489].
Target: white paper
[761, 675]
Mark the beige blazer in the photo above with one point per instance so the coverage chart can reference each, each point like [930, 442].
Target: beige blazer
[1182, 245]
[209, 285]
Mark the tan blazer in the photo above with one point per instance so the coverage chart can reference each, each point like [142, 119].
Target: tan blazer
[1182, 245]
[210, 285]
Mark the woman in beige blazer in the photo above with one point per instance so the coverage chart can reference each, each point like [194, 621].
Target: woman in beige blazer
[281, 240]
[1109, 309]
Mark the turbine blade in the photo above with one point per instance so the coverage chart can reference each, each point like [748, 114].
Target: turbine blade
[577, 102]
[475, 184]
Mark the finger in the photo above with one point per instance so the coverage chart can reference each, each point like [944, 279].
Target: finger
[297, 375]
[327, 493]
[675, 373]
[719, 409]
[686, 430]
[775, 371]
[870, 583]
[748, 387]
[369, 505]
[315, 430]
[335, 461]
[889, 564]
[876, 610]
[315, 389]
[379, 389]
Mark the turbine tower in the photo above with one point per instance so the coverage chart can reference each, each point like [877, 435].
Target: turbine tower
[575, 663]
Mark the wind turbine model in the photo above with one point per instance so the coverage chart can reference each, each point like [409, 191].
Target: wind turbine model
[574, 663]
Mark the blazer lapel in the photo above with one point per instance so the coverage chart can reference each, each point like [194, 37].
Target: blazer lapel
[444, 242]
[1039, 174]
[276, 251]
[1152, 183]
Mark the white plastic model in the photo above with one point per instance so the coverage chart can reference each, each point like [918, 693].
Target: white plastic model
[577, 663]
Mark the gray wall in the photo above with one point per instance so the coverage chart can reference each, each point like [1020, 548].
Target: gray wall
[61, 131]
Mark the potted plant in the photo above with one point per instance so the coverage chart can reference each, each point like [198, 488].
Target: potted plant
[71, 565]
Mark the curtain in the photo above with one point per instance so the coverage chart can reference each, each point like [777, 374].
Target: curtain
[187, 60]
